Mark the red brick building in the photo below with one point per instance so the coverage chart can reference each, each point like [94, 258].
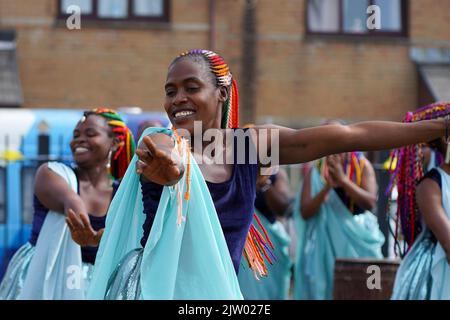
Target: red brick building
[296, 61]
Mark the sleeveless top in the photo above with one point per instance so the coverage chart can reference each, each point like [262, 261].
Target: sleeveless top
[88, 254]
[234, 202]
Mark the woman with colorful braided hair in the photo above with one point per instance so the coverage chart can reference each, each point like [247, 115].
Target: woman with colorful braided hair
[423, 216]
[51, 265]
[185, 203]
[333, 220]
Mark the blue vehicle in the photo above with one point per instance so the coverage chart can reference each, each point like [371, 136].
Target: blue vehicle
[20, 156]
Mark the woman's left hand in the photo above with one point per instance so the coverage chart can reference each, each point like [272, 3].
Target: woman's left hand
[336, 170]
[82, 231]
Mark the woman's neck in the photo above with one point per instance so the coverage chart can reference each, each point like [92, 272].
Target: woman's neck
[95, 175]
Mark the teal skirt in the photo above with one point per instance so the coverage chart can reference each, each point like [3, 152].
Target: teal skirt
[12, 283]
[413, 280]
[125, 281]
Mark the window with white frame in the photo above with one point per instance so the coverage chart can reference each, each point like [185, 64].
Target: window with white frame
[147, 10]
[349, 17]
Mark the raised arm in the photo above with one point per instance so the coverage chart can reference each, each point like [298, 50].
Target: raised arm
[297, 146]
[54, 192]
[311, 205]
[429, 200]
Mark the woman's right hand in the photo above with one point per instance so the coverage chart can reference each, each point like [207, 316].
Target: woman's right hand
[159, 162]
[81, 229]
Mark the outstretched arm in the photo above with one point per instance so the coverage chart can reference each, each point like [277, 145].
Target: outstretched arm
[311, 205]
[297, 146]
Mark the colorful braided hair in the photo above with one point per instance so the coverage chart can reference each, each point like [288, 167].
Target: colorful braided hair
[123, 155]
[224, 78]
[407, 174]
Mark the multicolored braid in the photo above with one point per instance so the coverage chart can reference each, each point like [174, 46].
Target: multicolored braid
[224, 78]
[407, 174]
[125, 152]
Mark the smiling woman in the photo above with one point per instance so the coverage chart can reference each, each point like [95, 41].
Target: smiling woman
[101, 147]
[181, 254]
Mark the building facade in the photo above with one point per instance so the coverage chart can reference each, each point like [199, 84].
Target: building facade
[296, 61]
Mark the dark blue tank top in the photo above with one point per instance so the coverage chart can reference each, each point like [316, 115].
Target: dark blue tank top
[234, 202]
[88, 254]
[434, 175]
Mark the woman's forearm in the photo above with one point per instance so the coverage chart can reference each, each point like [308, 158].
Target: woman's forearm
[376, 135]
[361, 197]
[278, 202]
[310, 208]
[296, 146]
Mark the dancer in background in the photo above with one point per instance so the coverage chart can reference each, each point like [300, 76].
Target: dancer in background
[102, 148]
[334, 221]
[423, 216]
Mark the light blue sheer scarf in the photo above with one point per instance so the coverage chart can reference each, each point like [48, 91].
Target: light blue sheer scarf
[190, 260]
[56, 270]
[334, 232]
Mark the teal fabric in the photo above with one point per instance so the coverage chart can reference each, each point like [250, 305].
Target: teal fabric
[56, 271]
[186, 261]
[424, 273]
[276, 285]
[440, 268]
[14, 278]
[413, 279]
[334, 232]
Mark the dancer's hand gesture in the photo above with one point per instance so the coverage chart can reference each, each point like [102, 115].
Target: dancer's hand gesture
[82, 231]
[158, 161]
[336, 170]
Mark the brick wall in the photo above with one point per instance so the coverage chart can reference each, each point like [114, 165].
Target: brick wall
[299, 79]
